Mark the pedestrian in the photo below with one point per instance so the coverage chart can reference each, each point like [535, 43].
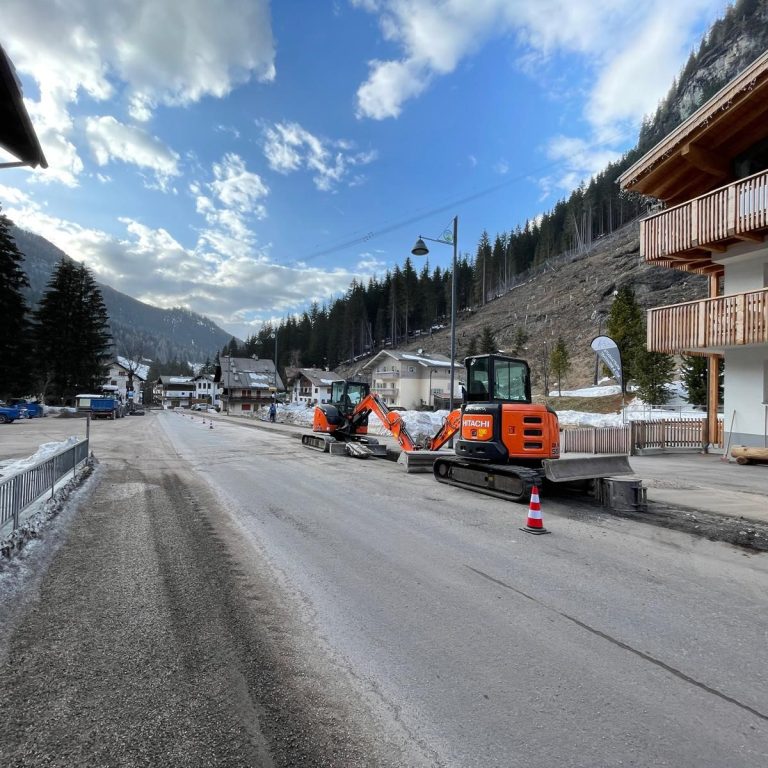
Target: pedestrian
[272, 412]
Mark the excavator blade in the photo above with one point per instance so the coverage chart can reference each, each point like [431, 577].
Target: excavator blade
[585, 468]
[418, 461]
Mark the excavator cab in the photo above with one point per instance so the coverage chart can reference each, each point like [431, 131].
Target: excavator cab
[346, 395]
[499, 423]
[497, 378]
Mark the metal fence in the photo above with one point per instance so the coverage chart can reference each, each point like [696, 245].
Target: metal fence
[638, 435]
[20, 491]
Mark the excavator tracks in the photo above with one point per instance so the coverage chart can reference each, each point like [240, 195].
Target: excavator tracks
[317, 442]
[502, 481]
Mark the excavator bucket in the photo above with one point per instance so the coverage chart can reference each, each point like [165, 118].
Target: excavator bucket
[586, 468]
[418, 461]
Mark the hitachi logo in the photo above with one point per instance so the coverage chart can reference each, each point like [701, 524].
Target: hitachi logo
[477, 422]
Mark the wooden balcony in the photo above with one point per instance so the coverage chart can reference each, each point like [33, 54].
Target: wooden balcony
[710, 325]
[684, 237]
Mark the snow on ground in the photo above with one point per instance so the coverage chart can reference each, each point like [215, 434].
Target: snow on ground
[44, 452]
[424, 424]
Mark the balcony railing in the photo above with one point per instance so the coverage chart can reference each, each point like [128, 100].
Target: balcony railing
[710, 222]
[710, 324]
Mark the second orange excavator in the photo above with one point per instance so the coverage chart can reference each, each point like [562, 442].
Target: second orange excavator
[345, 419]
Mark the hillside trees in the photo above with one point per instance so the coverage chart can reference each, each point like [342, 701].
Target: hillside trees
[14, 341]
[71, 334]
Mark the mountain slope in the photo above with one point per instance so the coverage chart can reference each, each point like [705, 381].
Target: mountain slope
[138, 329]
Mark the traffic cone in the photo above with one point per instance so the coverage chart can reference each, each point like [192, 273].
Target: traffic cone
[535, 523]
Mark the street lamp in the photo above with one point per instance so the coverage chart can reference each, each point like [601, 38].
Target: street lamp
[420, 249]
[274, 336]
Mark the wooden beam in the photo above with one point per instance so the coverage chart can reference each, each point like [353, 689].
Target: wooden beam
[705, 160]
[713, 391]
[715, 248]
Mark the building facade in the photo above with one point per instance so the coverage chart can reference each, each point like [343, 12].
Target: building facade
[174, 391]
[246, 383]
[311, 386]
[411, 380]
[127, 379]
[712, 174]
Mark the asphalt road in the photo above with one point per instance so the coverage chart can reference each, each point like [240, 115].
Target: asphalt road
[226, 597]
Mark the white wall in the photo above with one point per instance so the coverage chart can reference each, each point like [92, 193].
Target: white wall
[745, 391]
[746, 272]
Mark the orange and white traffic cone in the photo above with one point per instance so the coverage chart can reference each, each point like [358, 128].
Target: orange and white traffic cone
[535, 522]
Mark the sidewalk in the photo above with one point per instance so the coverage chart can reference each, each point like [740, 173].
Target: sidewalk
[705, 482]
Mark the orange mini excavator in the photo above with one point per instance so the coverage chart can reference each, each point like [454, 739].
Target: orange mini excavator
[345, 419]
[506, 444]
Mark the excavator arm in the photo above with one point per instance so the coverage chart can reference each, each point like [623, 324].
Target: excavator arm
[451, 426]
[392, 420]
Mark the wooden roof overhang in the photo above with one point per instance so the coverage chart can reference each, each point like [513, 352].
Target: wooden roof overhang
[17, 135]
[696, 157]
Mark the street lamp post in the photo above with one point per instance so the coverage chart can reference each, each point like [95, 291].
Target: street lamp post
[420, 249]
[274, 336]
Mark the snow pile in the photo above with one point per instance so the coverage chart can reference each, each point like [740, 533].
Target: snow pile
[424, 424]
[44, 452]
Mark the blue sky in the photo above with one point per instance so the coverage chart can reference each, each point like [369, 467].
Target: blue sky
[243, 158]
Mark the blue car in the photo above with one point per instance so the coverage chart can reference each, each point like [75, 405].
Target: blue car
[9, 413]
[33, 409]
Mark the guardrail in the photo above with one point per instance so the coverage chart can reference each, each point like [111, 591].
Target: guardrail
[23, 489]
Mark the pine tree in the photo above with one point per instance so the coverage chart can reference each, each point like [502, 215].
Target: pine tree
[626, 327]
[653, 372]
[71, 333]
[694, 375]
[559, 363]
[14, 340]
[472, 346]
[488, 343]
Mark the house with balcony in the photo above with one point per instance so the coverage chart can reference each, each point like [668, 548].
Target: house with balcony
[246, 383]
[127, 378]
[173, 391]
[711, 173]
[206, 389]
[412, 380]
[311, 386]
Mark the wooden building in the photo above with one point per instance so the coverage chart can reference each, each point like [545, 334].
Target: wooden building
[712, 174]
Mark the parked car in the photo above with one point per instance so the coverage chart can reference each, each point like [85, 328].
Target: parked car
[33, 408]
[9, 413]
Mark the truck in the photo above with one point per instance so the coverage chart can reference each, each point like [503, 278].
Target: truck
[100, 406]
[505, 443]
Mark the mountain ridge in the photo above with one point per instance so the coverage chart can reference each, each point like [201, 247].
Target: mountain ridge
[139, 330]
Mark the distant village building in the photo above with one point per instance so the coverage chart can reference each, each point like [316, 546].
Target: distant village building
[127, 378]
[411, 380]
[246, 383]
[174, 391]
[206, 389]
[311, 386]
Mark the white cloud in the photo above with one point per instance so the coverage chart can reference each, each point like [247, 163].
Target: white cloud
[237, 287]
[143, 52]
[113, 141]
[623, 42]
[288, 148]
